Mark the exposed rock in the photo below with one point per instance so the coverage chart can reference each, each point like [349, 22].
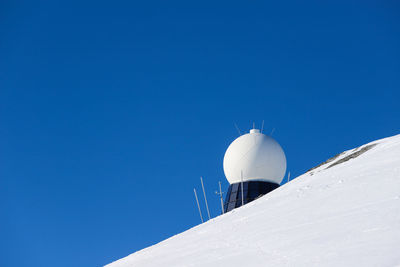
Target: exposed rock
[325, 162]
[352, 155]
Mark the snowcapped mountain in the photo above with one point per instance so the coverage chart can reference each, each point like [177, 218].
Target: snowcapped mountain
[345, 212]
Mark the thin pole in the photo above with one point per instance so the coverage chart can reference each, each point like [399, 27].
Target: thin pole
[237, 128]
[241, 175]
[198, 205]
[220, 195]
[262, 126]
[272, 132]
[205, 198]
[288, 177]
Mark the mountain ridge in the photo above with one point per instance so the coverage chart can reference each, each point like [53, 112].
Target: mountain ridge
[345, 212]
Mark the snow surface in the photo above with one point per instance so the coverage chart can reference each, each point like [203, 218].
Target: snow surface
[345, 215]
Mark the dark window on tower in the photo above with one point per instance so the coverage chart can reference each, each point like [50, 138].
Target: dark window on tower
[235, 187]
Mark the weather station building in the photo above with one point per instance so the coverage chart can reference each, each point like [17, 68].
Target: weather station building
[254, 165]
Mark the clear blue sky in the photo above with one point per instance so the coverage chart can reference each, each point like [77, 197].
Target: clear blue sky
[111, 111]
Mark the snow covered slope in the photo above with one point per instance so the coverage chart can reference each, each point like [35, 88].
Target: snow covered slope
[345, 212]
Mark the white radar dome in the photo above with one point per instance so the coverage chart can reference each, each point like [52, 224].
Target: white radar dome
[258, 156]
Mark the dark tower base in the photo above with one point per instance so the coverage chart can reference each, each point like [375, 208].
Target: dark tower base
[251, 191]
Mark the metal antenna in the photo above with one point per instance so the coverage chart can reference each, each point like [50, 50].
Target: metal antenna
[241, 176]
[237, 128]
[288, 177]
[205, 198]
[220, 196]
[198, 205]
[254, 125]
[262, 126]
[273, 130]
